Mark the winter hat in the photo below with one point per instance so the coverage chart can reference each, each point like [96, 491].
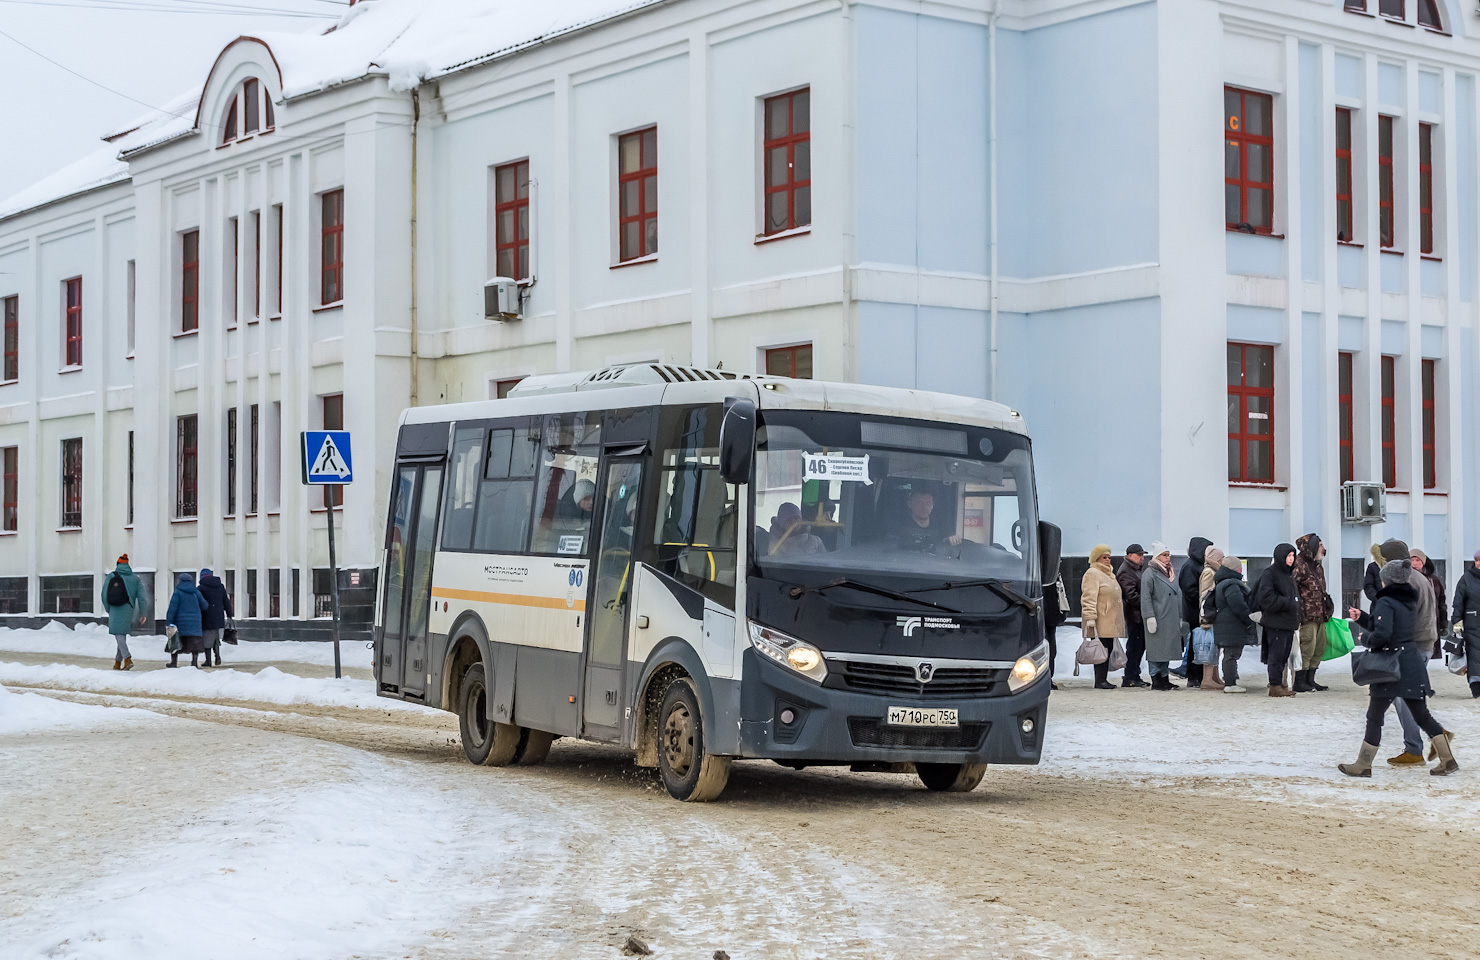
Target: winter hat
[1477, 556]
[1158, 548]
[1134, 548]
[1212, 557]
[123, 558]
[205, 572]
[1232, 563]
[1415, 552]
[1099, 551]
[1394, 550]
[1397, 571]
[582, 490]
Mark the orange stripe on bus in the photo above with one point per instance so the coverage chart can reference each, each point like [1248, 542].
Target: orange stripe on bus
[513, 599]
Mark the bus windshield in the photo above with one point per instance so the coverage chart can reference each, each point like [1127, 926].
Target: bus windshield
[839, 494]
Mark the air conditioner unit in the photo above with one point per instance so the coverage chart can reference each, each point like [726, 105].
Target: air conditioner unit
[503, 299]
[1363, 502]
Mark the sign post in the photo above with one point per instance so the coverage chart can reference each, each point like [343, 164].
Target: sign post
[327, 461]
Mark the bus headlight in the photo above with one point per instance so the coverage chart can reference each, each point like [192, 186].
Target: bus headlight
[790, 652]
[1028, 668]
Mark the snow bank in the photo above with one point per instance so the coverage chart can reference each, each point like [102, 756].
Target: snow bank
[92, 640]
[269, 685]
[29, 712]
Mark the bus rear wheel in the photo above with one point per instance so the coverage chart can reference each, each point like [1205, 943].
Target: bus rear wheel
[951, 777]
[688, 772]
[485, 741]
[534, 747]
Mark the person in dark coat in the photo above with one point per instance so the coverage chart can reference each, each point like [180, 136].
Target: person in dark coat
[1055, 613]
[218, 608]
[187, 609]
[1465, 621]
[1129, 577]
[1233, 626]
[1390, 626]
[1372, 579]
[1278, 600]
[1316, 607]
[1189, 581]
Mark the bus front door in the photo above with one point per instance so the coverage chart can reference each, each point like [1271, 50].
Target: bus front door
[606, 624]
[408, 578]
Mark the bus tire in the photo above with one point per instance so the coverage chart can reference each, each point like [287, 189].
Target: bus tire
[951, 777]
[688, 772]
[485, 741]
[534, 747]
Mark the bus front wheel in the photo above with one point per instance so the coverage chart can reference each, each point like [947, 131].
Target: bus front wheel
[485, 741]
[951, 777]
[688, 772]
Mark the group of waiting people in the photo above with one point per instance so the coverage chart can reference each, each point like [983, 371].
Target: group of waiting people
[198, 614]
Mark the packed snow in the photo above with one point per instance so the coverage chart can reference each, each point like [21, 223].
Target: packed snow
[29, 713]
[92, 640]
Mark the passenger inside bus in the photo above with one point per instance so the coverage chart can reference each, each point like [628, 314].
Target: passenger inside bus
[789, 536]
[576, 505]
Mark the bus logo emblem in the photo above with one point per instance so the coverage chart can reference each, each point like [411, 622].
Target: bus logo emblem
[908, 624]
[924, 671]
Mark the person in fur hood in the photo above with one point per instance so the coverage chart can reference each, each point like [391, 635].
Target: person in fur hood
[1390, 626]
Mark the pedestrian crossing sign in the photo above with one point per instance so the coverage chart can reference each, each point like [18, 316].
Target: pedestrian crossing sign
[326, 457]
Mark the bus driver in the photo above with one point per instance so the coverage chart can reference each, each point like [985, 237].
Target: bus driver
[916, 526]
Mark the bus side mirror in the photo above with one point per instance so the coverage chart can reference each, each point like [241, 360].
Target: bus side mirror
[1050, 546]
[737, 440]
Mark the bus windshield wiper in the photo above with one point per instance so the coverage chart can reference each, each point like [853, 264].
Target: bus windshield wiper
[1000, 587]
[859, 585]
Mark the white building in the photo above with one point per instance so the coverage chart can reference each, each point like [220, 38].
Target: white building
[1016, 198]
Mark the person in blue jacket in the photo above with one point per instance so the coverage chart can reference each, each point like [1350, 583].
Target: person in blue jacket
[186, 613]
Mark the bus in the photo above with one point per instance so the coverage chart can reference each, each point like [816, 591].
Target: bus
[703, 566]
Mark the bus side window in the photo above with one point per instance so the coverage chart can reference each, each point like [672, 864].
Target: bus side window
[507, 491]
[462, 489]
[695, 534]
[565, 490]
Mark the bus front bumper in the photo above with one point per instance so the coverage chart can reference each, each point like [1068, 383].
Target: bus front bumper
[842, 726]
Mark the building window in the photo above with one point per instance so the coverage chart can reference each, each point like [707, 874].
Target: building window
[1250, 413]
[1426, 188]
[131, 478]
[511, 220]
[637, 190]
[788, 158]
[12, 307]
[251, 100]
[72, 482]
[501, 388]
[1344, 416]
[232, 295]
[1430, 465]
[1428, 15]
[297, 583]
[274, 593]
[73, 349]
[793, 362]
[256, 264]
[1344, 175]
[228, 126]
[11, 509]
[132, 302]
[189, 281]
[1393, 9]
[1248, 160]
[334, 420]
[251, 105]
[1385, 178]
[251, 593]
[254, 433]
[186, 468]
[231, 462]
[1389, 424]
[277, 303]
[1360, 6]
[331, 249]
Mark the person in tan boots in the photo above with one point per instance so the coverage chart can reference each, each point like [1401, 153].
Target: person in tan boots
[1212, 563]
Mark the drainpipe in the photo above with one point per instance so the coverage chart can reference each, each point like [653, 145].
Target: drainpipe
[415, 117]
[992, 185]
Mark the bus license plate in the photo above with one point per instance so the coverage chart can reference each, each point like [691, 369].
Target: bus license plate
[919, 717]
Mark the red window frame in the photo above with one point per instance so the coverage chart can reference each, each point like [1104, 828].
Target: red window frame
[794, 361]
[187, 467]
[189, 281]
[1393, 9]
[1344, 408]
[1239, 144]
[252, 106]
[1389, 423]
[12, 500]
[279, 283]
[256, 265]
[1386, 194]
[1430, 461]
[331, 247]
[1244, 397]
[637, 194]
[1426, 188]
[231, 461]
[1359, 6]
[786, 154]
[1429, 16]
[12, 308]
[254, 436]
[228, 128]
[501, 388]
[1344, 215]
[236, 271]
[333, 407]
[74, 322]
[511, 219]
[72, 482]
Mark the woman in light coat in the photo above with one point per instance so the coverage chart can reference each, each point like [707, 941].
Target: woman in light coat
[1161, 608]
[1101, 609]
[1212, 563]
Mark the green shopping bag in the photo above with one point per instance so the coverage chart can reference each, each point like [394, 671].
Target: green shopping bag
[1339, 640]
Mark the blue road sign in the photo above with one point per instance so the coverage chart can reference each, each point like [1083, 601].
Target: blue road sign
[326, 457]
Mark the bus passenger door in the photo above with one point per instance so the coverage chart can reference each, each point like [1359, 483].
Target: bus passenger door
[408, 578]
[608, 615]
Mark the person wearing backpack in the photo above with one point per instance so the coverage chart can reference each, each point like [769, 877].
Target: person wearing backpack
[1233, 621]
[1278, 601]
[121, 591]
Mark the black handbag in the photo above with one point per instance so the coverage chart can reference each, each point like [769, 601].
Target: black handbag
[229, 634]
[1375, 666]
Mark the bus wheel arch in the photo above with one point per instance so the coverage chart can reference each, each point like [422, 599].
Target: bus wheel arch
[468, 648]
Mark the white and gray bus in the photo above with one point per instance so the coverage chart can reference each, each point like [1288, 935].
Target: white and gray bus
[704, 566]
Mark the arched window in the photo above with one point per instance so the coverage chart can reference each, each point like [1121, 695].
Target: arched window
[248, 112]
[1428, 14]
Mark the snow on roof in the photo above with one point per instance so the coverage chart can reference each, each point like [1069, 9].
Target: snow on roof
[98, 169]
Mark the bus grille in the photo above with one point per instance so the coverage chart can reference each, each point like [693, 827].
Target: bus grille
[873, 732]
[889, 678]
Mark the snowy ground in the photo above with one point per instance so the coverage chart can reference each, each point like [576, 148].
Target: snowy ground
[235, 814]
[92, 640]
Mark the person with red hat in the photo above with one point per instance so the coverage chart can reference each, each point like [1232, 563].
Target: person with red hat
[121, 592]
